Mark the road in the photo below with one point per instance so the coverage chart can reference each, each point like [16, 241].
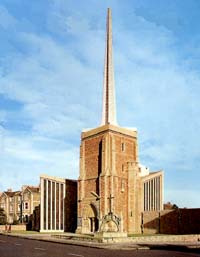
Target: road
[19, 247]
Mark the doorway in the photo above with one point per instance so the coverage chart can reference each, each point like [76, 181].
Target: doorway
[93, 220]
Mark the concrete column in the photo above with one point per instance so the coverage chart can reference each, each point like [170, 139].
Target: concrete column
[47, 197]
[51, 208]
[154, 194]
[145, 196]
[41, 204]
[55, 204]
[149, 195]
[156, 208]
[59, 206]
[63, 206]
[159, 193]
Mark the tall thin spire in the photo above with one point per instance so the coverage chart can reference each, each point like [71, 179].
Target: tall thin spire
[109, 108]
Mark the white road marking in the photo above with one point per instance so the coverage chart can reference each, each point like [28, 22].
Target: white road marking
[41, 249]
[73, 254]
[17, 244]
[2, 241]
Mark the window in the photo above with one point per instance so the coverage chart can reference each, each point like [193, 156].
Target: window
[122, 167]
[123, 186]
[123, 147]
[26, 205]
[2, 205]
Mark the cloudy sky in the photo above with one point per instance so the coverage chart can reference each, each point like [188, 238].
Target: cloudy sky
[51, 76]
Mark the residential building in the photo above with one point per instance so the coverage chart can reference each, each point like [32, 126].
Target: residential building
[30, 197]
[19, 205]
[8, 203]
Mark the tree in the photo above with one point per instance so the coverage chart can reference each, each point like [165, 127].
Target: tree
[15, 220]
[174, 207]
[3, 218]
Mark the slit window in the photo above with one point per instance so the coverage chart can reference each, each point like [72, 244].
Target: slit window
[123, 147]
[123, 186]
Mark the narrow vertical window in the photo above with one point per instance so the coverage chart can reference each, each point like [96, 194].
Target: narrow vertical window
[123, 186]
[123, 147]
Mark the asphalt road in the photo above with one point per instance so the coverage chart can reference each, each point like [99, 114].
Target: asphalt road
[19, 247]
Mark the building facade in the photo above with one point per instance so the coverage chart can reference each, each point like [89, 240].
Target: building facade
[9, 202]
[30, 198]
[19, 205]
[58, 204]
[114, 189]
[153, 191]
[52, 203]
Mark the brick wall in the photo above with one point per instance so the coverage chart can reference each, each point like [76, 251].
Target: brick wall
[92, 156]
[71, 206]
[14, 227]
[104, 157]
[178, 221]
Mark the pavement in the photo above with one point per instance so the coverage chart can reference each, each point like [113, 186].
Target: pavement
[87, 241]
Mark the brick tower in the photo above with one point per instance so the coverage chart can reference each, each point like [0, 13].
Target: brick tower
[109, 186]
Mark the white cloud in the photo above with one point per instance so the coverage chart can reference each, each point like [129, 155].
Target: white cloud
[58, 78]
[23, 160]
[159, 95]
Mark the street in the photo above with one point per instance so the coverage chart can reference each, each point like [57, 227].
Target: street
[19, 247]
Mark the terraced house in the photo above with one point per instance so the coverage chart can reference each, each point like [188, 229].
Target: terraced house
[19, 205]
[30, 197]
[10, 202]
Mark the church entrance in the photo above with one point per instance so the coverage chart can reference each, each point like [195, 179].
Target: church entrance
[93, 220]
[93, 224]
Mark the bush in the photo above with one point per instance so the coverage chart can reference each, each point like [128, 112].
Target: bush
[3, 218]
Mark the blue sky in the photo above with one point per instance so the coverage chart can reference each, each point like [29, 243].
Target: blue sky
[51, 76]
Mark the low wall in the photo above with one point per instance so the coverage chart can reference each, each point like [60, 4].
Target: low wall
[178, 221]
[155, 239]
[13, 227]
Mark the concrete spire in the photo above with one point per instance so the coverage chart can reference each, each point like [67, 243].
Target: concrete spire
[109, 108]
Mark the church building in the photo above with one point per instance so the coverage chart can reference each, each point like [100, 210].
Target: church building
[114, 189]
